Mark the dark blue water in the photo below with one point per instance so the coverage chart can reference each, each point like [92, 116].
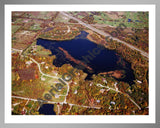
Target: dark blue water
[47, 109]
[99, 59]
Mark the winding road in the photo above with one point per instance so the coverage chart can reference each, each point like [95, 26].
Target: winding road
[51, 102]
[125, 94]
[41, 70]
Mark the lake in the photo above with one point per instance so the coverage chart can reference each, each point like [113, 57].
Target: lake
[47, 109]
[81, 48]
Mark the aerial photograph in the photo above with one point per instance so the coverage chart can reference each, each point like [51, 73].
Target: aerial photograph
[80, 63]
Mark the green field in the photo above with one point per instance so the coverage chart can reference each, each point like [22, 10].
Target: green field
[15, 28]
[35, 27]
[143, 18]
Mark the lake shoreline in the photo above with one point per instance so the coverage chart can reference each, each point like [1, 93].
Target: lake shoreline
[72, 51]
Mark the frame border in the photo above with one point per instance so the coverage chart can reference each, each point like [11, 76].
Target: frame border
[5, 2]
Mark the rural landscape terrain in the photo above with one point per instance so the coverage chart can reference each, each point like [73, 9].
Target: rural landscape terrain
[80, 63]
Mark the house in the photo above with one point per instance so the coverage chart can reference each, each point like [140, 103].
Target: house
[139, 81]
[75, 92]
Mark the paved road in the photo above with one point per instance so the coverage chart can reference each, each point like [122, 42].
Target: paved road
[51, 102]
[105, 34]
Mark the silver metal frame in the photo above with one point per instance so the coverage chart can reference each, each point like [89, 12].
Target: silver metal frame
[3, 2]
